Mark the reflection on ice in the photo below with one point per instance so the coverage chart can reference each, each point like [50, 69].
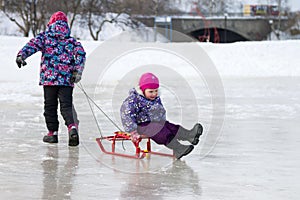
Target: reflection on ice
[57, 178]
[179, 178]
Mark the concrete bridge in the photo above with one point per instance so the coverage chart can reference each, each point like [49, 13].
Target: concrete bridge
[221, 28]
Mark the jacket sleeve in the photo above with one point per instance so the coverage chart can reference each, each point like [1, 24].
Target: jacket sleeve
[128, 115]
[33, 46]
[79, 57]
[163, 113]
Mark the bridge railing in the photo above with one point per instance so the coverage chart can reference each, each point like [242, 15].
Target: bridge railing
[215, 16]
[236, 15]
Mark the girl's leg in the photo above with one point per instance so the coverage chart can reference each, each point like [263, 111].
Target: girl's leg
[68, 112]
[173, 128]
[50, 107]
[161, 132]
[165, 133]
[190, 135]
[65, 95]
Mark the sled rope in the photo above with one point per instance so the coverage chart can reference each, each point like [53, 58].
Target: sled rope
[89, 99]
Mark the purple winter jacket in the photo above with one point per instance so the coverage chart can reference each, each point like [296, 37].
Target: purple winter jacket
[61, 54]
[137, 109]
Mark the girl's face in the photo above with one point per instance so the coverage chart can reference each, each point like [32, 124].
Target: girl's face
[151, 93]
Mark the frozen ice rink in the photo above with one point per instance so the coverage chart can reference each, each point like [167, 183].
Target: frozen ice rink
[256, 155]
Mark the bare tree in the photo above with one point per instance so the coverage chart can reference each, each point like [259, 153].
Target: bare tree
[148, 7]
[94, 10]
[71, 8]
[32, 15]
[39, 16]
[28, 15]
[100, 12]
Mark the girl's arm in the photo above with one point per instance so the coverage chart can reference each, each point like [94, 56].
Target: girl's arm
[128, 115]
[79, 57]
[34, 45]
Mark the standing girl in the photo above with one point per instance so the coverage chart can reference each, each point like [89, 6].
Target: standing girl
[62, 64]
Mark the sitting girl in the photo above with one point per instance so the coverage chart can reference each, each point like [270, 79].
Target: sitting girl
[143, 113]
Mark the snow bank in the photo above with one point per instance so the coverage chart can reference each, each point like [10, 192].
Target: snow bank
[268, 58]
[241, 59]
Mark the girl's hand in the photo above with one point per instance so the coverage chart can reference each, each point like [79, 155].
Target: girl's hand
[135, 137]
[20, 61]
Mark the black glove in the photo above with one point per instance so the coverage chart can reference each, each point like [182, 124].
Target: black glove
[20, 61]
[76, 77]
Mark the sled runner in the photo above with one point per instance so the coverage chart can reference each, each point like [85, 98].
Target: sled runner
[123, 136]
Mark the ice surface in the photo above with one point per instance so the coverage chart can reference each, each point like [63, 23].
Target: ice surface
[256, 156]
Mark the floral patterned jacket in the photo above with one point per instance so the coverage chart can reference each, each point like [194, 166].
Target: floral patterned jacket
[61, 54]
[137, 109]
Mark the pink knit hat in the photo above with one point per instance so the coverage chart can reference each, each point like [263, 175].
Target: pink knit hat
[148, 81]
[58, 16]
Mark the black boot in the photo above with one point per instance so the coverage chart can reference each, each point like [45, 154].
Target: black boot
[73, 137]
[179, 149]
[51, 137]
[190, 135]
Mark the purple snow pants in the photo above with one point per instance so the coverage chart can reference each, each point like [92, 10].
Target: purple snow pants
[160, 132]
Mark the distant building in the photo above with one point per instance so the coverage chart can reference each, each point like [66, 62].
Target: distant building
[242, 7]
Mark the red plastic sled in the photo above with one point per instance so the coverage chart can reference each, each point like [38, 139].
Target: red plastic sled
[123, 136]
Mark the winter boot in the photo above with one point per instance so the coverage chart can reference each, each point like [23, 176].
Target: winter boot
[179, 149]
[51, 137]
[190, 135]
[73, 135]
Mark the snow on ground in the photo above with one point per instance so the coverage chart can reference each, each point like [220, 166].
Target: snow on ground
[256, 154]
[268, 58]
